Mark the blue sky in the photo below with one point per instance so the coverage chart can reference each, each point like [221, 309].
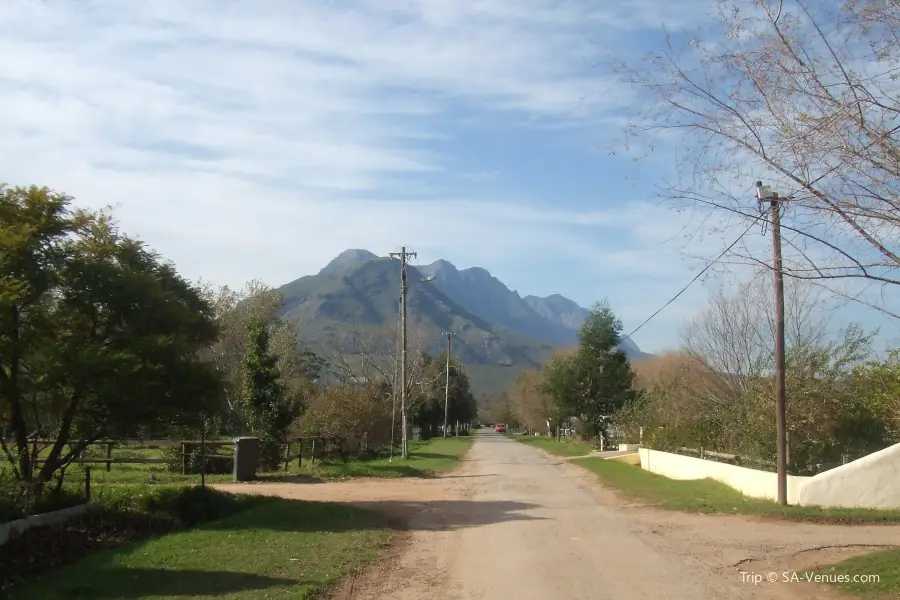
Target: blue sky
[259, 139]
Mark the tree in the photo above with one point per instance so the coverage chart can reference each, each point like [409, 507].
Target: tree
[299, 368]
[271, 409]
[802, 96]
[504, 412]
[427, 406]
[878, 381]
[533, 407]
[725, 378]
[98, 336]
[596, 380]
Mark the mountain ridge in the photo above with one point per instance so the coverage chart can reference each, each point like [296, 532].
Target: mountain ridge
[495, 327]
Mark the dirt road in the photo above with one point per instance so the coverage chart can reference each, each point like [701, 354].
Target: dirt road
[513, 522]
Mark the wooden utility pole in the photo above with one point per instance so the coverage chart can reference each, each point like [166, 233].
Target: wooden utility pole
[449, 334]
[765, 194]
[404, 257]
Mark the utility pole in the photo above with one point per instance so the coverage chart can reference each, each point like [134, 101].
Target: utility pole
[404, 257]
[394, 387]
[447, 384]
[764, 194]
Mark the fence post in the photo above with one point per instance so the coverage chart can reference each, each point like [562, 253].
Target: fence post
[109, 446]
[287, 457]
[184, 458]
[312, 459]
[87, 483]
[300, 455]
[203, 455]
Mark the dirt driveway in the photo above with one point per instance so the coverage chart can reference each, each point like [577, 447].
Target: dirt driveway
[513, 522]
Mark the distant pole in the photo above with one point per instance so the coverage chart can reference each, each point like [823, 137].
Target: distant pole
[394, 391]
[449, 334]
[203, 454]
[764, 194]
[403, 255]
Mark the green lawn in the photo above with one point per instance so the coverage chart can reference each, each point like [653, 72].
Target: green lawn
[425, 458]
[709, 496]
[885, 564]
[560, 448]
[278, 549]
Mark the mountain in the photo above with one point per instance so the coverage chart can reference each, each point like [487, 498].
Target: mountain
[498, 333]
[347, 258]
[562, 311]
[348, 296]
[554, 319]
[484, 295]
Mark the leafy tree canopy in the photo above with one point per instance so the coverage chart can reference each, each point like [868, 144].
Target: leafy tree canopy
[596, 379]
[98, 336]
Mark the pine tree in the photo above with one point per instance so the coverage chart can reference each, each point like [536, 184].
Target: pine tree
[271, 411]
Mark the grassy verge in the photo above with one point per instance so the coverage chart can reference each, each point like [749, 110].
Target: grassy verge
[426, 457]
[557, 448]
[129, 513]
[711, 497]
[277, 549]
[884, 564]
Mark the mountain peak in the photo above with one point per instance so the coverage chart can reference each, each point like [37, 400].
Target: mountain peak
[348, 258]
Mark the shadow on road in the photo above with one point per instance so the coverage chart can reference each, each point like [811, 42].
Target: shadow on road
[426, 515]
[123, 582]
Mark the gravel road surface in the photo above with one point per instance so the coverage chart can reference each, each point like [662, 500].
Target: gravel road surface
[514, 522]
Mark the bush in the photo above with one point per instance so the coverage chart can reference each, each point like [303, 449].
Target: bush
[185, 505]
[130, 513]
[175, 464]
[15, 503]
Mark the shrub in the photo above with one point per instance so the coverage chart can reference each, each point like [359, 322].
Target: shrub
[15, 503]
[185, 505]
[174, 461]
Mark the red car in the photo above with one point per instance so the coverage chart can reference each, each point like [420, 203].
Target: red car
[500, 428]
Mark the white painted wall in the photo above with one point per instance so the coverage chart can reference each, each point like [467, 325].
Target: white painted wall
[872, 481]
[750, 482]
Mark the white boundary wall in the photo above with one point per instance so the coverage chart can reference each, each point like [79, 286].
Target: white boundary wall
[750, 482]
[872, 481]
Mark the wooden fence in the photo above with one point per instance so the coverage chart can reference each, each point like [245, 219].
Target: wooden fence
[324, 445]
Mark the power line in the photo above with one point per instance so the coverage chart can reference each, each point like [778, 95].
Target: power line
[696, 277]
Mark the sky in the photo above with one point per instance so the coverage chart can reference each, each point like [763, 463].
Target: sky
[258, 140]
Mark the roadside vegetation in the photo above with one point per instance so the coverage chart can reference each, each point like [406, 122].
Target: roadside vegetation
[102, 339]
[274, 548]
[708, 496]
[886, 564]
[564, 447]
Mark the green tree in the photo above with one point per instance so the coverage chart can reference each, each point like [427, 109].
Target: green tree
[299, 368]
[98, 336]
[271, 409]
[429, 409]
[596, 380]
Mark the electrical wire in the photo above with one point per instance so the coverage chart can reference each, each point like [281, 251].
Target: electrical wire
[696, 277]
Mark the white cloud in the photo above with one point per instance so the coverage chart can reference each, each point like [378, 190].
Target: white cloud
[259, 139]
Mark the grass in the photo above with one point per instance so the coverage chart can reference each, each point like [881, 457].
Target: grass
[557, 448]
[278, 549]
[885, 564]
[426, 457]
[712, 497]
